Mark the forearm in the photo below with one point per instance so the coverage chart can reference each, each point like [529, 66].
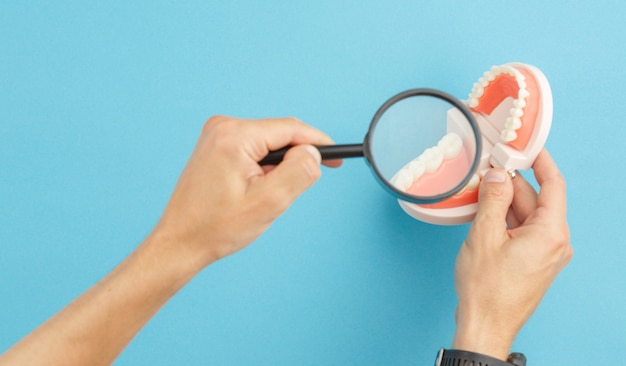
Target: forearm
[222, 202]
[97, 326]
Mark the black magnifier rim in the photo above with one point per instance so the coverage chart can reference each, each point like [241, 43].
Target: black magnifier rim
[369, 157]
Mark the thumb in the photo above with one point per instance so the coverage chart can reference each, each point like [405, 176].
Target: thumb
[494, 199]
[299, 169]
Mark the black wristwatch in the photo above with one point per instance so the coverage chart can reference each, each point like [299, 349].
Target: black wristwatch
[453, 357]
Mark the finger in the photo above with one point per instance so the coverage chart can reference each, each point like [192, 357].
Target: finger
[329, 163]
[267, 168]
[333, 163]
[495, 196]
[494, 199]
[274, 134]
[298, 171]
[512, 221]
[524, 198]
[552, 194]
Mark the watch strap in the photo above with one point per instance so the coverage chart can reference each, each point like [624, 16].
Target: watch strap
[453, 357]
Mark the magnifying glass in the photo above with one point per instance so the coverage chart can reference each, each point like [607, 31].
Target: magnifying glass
[423, 146]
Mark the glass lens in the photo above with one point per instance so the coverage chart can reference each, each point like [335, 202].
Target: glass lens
[423, 145]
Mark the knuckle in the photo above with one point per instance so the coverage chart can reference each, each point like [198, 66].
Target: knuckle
[562, 236]
[569, 253]
[211, 122]
[493, 193]
[565, 243]
[557, 180]
[223, 132]
[224, 126]
[560, 180]
[559, 237]
[221, 125]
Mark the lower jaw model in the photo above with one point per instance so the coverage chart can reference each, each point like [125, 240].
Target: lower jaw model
[512, 104]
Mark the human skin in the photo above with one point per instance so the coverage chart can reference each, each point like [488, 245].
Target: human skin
[517, 245]
[222, 202]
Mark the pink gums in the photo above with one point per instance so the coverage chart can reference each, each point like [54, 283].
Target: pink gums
[449, 174]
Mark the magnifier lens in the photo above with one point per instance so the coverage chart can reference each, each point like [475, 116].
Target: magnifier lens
[423, 147]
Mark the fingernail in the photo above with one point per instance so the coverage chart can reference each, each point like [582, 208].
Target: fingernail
[494, 176]
[315, 153]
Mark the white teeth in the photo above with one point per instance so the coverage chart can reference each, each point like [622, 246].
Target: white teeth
[402, 180]
[516, 112]
[416, 168]
[523, 94]
[429, 161]
[477, 91]
[514, 122]
[519, 103]
[450, 145]
[508, 135]
[471, 185]
[433, 159]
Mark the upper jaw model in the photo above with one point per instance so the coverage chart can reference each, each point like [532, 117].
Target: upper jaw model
[512, 104]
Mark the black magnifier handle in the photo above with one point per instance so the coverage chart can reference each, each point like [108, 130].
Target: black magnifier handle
[328, 152]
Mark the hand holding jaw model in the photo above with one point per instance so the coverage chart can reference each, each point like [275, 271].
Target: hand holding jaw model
[516, 246]
[512, 105]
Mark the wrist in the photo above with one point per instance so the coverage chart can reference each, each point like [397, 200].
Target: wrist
[174, 261]
[482, 339]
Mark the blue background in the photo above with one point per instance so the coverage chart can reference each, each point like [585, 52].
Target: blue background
[101, 104]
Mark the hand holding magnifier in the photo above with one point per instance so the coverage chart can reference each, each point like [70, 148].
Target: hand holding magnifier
[430, 150]
[418, 122]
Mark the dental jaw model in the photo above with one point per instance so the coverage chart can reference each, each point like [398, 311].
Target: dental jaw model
[512, 105]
